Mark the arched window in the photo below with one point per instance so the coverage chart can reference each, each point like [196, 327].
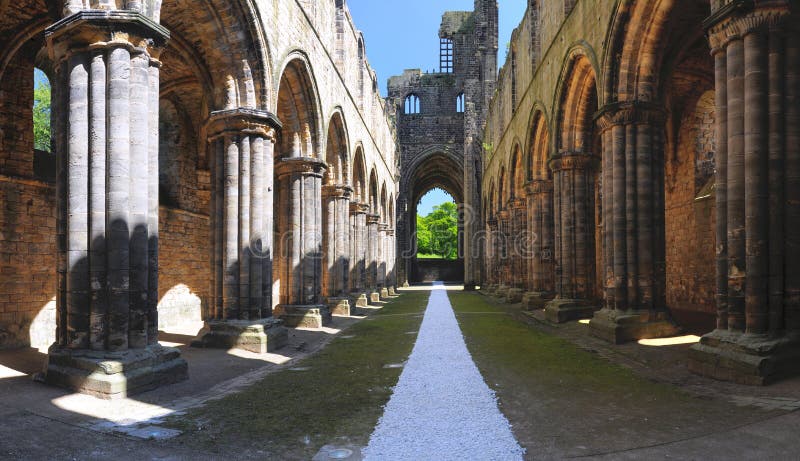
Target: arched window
[411, 104]
[41, 111]
[460, 103]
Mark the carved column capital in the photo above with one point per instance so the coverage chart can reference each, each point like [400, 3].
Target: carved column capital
[733, 19]
[306, 166]
[357, 208]
[242, 121]
[337, 191]
[629, 112]
[573, 161]
[539, 186]
[91, 29]
[373, 219]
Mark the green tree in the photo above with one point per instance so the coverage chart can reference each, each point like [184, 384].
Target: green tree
[437, 233]
[41, 115]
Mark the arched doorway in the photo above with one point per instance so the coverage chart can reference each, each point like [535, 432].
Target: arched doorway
[437, 167]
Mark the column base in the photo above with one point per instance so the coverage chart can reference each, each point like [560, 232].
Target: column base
[360, 299]
[745, 358]
[260, 336]
[375, 297]
[313, 316]
[405, 285]
[488, 289]
[565, 310]
[470, 287]
[534, 300]
[339, 306]
[514, 295]
[621, 327]
[114, 375]
[392, 291]
[501, 291]
[384, 293]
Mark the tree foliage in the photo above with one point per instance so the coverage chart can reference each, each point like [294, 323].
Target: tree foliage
[41, 115]
[437, 233]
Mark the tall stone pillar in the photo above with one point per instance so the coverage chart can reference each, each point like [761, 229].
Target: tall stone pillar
[391, 258]
[358, 248]
[501, 256]
[373, 221]
[106, 139]
[540, 225]
[300, 205]
[383, 238]
[336, 273]
[634, 258]
[756, 48]
[491, 255]
[573, 192]
[241, 147]
[518, 248]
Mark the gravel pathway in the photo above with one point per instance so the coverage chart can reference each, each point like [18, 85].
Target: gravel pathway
[441, 408]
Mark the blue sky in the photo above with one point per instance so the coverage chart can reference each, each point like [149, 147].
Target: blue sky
[405, 35]
[432, 198]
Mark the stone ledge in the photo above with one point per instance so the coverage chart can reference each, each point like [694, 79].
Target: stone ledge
[619, 328]
[259, 336]
[744, 358]
[313, 316]
[360, 300]
[114, 375]
[565, 310]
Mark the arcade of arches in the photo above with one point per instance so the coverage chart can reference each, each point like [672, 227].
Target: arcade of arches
[635, 163]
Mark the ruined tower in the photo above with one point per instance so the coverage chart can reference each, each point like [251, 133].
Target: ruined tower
[440, 117]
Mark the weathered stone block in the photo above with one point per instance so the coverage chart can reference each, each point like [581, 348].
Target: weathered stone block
[535, 300]
[375, 297]
[514, 295]
[565, 310]
[112, 375]
[315, 316]
[339, 306]
[745, 359]
[384, 293]
[259, 336]
[618, 328]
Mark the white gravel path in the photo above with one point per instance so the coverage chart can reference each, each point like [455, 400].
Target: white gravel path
[441, 408]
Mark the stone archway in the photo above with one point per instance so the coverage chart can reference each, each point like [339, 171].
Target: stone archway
[435, 167]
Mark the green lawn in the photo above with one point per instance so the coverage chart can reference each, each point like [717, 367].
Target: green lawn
[292, 414]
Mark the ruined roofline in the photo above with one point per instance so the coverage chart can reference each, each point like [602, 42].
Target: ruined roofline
[454, 22]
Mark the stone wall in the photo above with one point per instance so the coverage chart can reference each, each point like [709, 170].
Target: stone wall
[437, 270]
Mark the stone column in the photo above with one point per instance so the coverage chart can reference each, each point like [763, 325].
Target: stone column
[241, 147]
[373, 220]
[391, 247]
[540, 263]
[106, 139]
[383, 260]
[300, 185]
[757, 59]
[491, 255]
[336, 273]
[634, 260]
[573, 192]
[501, 255]
[358, 248]
[518, 248]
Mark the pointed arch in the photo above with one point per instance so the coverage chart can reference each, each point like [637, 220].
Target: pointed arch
[538, 146]
[337, 152]
[298, 109]
[577, 102]
[359, 175]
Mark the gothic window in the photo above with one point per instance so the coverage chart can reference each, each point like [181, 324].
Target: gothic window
[513, 79]
[460, 103]
[446, 56]
[411, 104]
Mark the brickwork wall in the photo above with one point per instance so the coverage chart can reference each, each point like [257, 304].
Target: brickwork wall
[690, 213]
[184, 267]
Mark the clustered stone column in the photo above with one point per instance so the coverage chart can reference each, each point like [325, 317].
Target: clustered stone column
[106, 93]
[241, 146]
[491, 256]
[300, 196]
[373, 220]
[756, 50]
[358, 248]
[501, 255]
[634, 259]
[518, 248]
[337, 252]
[391, 268]
[573, 204]
[540, 262]
[382, 260]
